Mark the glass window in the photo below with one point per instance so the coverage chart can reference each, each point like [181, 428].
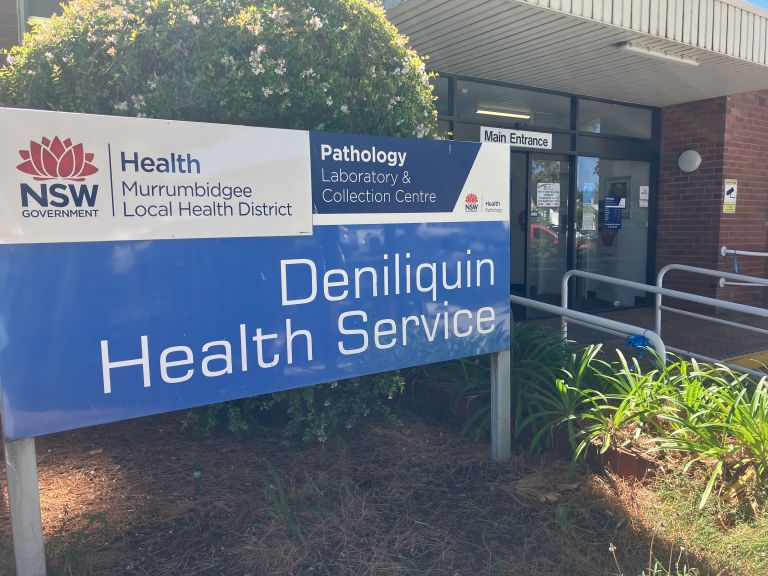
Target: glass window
[490, 104]
[441, 92]
[41, 8]
[444, 130]
[612, 214]
[466, 132]
[605, 118]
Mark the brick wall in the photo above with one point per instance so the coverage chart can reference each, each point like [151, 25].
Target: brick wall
[689, 205]
[731, 134]
[746, 160]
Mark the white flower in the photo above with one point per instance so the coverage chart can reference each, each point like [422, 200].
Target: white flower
[228, 59]
[329, 101]
[309, 72]
[280, 68]
[10, 60]
[121, 106]
[111, 38]
[255, 60]
[138, 101]
[278, 15]
[111, 51]
[315, 22]
[193, 19]
[344, 108]
[266, 91]
[141, 115]
[151, 84]
[48, 56]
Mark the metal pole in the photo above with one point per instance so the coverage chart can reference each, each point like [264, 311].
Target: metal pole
[501, 407]
[714, 302]
[702, 271]
[24, 501]
[725, 251]
[564, 304]
[597, 321]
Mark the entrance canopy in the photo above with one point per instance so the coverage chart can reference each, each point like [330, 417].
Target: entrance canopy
[652, 52]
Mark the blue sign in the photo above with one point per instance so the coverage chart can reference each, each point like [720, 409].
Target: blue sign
[357, 174]
[588, 191]
[97, 332]
[610, 213]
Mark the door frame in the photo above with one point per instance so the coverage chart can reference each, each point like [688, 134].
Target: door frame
[568, 229]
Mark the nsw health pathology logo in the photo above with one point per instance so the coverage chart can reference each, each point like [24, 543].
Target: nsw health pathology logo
[57, 165]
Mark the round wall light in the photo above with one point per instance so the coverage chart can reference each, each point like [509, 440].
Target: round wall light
[689, 161]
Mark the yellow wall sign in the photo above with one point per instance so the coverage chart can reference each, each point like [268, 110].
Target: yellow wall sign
[729, 196]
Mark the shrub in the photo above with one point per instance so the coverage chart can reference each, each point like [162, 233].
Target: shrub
[315, 413]
[335, 65]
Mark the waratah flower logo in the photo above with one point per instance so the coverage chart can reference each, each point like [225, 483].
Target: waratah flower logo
[57, 159]
[471, 198]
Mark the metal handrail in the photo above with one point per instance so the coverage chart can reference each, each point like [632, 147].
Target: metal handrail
[741, 280]
[596, 322]
[725, 251]
[660, 291]
[704, 300]
[751, 280]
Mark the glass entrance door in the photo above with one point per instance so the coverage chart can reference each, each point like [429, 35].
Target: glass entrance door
[548, 178]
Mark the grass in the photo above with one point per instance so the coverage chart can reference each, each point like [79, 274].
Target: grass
[734, 542]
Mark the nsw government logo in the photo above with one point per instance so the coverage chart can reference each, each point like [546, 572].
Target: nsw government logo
[61, 168]
[471, 202]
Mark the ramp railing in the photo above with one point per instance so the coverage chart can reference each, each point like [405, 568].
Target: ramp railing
[660, 291]
[725, 251]
[596, 323]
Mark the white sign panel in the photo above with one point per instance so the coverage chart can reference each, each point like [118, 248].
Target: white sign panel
[516, 138]
[85, 178]
[548, 195]
[645, 194]
[729, 196]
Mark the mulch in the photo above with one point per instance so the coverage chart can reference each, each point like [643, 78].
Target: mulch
[417, 499]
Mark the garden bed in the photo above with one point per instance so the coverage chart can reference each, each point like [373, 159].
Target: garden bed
[421, 499]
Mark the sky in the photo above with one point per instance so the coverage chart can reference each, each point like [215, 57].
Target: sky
[761, 3]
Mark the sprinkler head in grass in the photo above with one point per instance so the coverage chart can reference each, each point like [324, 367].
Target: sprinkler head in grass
[196, 475]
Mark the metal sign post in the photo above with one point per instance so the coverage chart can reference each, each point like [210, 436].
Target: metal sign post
[501, 404]
[24, 502]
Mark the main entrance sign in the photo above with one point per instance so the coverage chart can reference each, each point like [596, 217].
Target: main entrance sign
[404, 266]
[516, 138]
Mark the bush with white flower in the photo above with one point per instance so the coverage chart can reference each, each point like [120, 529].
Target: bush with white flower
[334, 65]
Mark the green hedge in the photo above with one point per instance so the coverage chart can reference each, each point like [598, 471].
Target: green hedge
[334, 65]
